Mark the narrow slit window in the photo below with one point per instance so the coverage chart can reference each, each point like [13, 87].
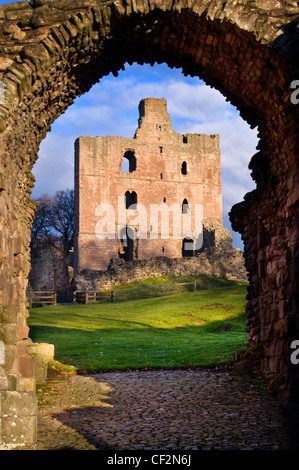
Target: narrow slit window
[161, 149]
[184, 168]
[185, 206]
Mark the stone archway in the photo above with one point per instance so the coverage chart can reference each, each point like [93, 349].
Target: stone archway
[52, 51]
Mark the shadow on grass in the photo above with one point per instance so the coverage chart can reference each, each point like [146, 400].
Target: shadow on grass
[128, 347]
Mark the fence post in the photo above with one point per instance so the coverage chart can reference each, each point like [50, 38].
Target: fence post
[112, 296]
[86, 298]
[55, 298]
[194, 286]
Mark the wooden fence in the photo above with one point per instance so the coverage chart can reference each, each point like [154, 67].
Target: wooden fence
[42, 297]
[90, 297]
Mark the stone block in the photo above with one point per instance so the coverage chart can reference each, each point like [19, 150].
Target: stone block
[18, 404]
[19, 418]
[40, 369]
[12, 381]
[20, 16]
[4, 382]
[41, 354]
[25, 366]
[10, 356]
[19, 430]
[45, 350]
[9, 334]
[2, 282]
[48, 16]
[22, 332]
[9, 313]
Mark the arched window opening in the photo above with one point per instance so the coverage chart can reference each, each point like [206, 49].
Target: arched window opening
[131, 200]
[188, 247]
[185, 206]
[129, 162]
[184, 168]
[126, 244]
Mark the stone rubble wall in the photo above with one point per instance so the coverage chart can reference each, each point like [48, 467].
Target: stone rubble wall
[213, 263]
[217, 257]
[49, 272]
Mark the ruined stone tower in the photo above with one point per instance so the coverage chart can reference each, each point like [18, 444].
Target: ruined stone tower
[132, 194]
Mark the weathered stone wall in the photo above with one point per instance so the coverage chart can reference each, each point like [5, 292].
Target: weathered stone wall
[53, 51]
[217, 257]
[212, 262]
[157, 180]
[49, 272]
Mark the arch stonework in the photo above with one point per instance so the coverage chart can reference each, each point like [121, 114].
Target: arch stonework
[52, 51]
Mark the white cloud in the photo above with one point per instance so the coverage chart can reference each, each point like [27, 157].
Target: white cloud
[54, 170]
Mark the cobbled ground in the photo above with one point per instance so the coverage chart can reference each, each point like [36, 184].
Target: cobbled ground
[163, 410]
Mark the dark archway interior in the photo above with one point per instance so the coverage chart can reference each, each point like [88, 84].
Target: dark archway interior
[187, 247]
[127, 237]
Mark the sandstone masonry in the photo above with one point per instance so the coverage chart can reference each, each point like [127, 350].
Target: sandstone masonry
[151, 181]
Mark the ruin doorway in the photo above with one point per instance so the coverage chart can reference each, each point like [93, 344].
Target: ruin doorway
[127, 238]
[187, 247]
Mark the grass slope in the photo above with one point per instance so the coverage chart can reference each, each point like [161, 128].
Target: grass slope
[201, 328]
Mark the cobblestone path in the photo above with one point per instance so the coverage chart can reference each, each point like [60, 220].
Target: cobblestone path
[162, 410]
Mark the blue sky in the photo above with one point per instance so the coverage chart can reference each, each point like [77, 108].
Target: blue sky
[111, 108]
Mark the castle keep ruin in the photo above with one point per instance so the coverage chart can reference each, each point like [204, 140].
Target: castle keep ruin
[153, 183]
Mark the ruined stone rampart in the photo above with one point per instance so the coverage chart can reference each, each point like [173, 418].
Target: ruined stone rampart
[212, 263]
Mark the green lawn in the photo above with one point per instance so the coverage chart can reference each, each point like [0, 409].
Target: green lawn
[192, 329]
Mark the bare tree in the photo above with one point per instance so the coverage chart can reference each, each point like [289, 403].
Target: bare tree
[53, 226]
